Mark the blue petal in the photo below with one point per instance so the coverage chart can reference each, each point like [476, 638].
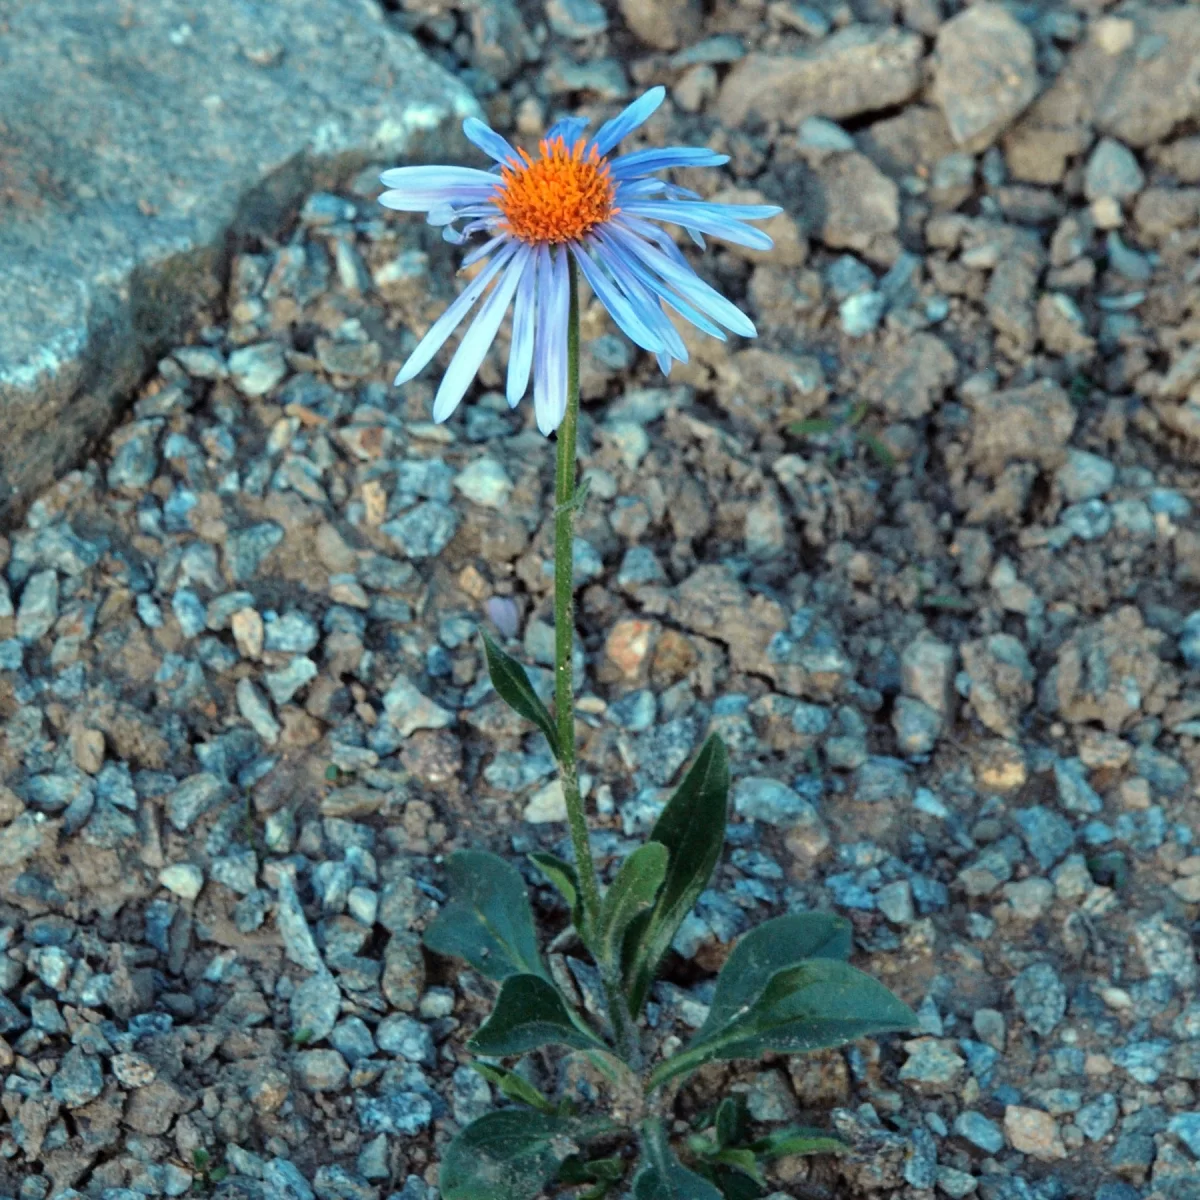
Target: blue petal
[570, 129]
[685, 281]
[715, 219]
[478, 339]
[483, 250]
[624, 123]
[520, 355]
[436, 178]
[641, 299]
[631, 322]
[449, 321]
[488, 140]
[664, 293]
[643, 162]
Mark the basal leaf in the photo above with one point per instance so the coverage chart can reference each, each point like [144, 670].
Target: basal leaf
[786, 1142]
[810, 1006]
[508, 1155]
[513, 1086]
[487, 920]
[740, 1159]
[631, 893]
[692, 828]
[530, 1013]
[561, 874]
[513, 687]
[672, 1181]
[769, 948]
[735, 1185]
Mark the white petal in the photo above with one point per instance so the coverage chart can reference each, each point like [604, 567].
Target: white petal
[449, 321]
[478, 339]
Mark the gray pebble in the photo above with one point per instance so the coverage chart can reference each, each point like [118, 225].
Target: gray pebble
[1041, 997]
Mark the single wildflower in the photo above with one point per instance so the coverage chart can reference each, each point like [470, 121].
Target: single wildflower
[572, 200]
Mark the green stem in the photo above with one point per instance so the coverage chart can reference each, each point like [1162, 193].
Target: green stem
[564, 617]
[564, 691]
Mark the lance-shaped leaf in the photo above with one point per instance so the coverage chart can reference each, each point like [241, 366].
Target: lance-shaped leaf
[513, 687]
[513, 1086]
[631, 893]
[487, 920]
[508, 1155]
[562, 875]
[770, 947]
[810, 1006]
[530, 1013]
[784, 1143]
[692, 828]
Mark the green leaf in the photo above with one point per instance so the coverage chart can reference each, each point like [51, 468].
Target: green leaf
[770, 947]
[562, 875]
[508, 1155]
[514, 1086]
[810, 1006]
[787, 1142]
[730, 1121]
[632, 893]
[664, 1177]
[576, 1171]
[740, 1159]
[813, 427]
[487, 920]
[530, 1013]
[692, 828]
[736, 1186]
[513, 687]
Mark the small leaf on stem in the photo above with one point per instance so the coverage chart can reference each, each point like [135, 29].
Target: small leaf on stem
[692, 828]
[513, 687]
[632, 893]
[487, 920]
[514, 1086]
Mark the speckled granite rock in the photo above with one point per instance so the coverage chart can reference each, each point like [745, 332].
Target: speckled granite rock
[119, 191]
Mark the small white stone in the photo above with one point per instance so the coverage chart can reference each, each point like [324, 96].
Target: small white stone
[547, 805]
[183, 879]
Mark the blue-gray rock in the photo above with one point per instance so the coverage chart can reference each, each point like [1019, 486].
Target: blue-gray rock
[285, 1181]
[135, 462]
[38, 609]
[1112, 171]
[1097, 1118]
[981, 1132]
[1088, 521]
[293, 927]
[246, 550]
[314, 1007]
[1186, 1127]
[1084, 476]
[193, 797]
[424, 531]
[920, 1171]
[882, 780]
[96, 286]
[352, 1039]
[470, 1095]
[1144, 1061]
[762, 799]
[256, 369]
[1041, 997]
[1075, 793]
[78, 1080]
[400, 1112]
[1049, 835]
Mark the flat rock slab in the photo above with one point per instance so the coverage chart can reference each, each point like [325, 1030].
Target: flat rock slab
[136, 140]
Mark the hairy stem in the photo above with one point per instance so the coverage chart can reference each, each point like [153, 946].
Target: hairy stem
[564, 691]
[564, 617]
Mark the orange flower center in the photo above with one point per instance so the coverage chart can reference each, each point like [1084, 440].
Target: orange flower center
[558, 197]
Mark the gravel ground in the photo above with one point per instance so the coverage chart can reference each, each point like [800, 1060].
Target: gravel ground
[946, 628]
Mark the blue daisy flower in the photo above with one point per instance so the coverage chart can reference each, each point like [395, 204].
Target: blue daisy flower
[574, 200]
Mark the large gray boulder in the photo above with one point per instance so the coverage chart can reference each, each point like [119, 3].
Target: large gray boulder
[137, 142]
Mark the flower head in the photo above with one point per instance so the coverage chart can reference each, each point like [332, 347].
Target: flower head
[572, 199]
